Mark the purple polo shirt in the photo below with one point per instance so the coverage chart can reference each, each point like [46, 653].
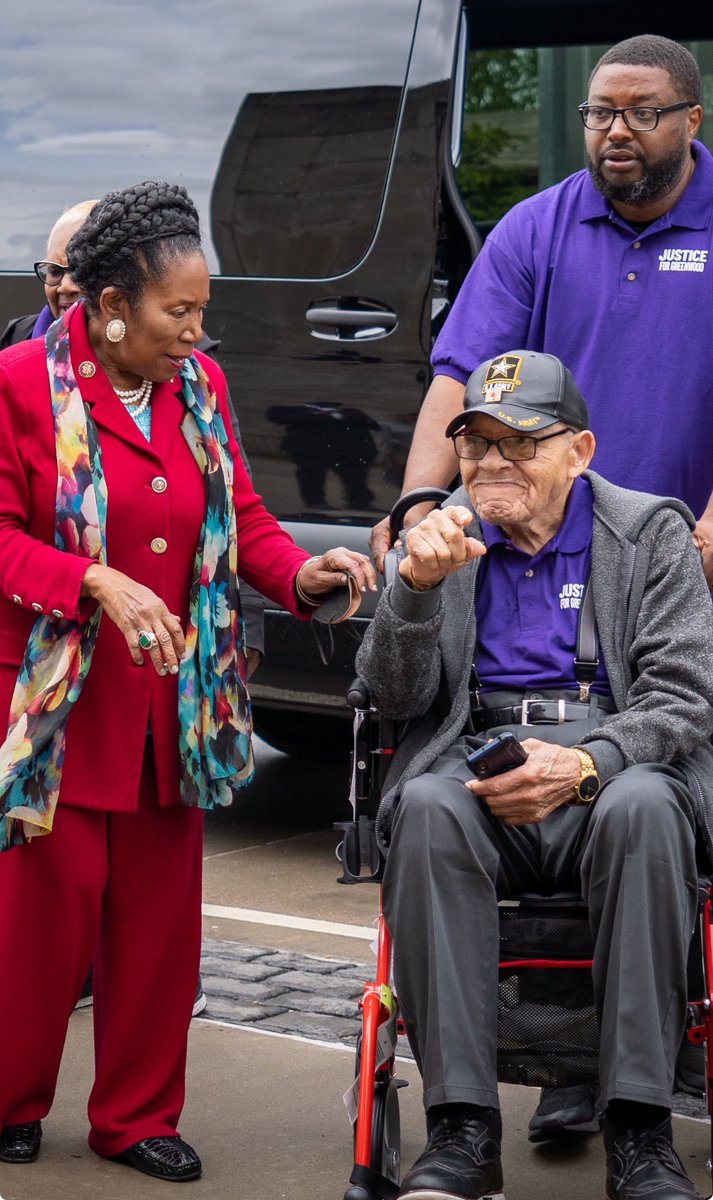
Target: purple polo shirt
[528, 608]
[631, 314]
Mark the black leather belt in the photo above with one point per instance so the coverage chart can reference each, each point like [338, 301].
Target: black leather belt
[538, 711]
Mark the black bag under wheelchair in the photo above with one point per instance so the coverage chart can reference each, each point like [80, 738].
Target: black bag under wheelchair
[547, 1027]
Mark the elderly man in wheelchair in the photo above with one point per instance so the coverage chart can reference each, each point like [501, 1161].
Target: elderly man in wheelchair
[545, 602]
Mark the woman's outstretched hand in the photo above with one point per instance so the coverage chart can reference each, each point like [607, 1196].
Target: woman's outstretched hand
[327, 571]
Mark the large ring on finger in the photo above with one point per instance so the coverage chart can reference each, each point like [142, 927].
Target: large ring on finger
[147, 639]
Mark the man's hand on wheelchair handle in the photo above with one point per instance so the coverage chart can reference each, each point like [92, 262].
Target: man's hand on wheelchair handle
[528, 794]
[438, 546]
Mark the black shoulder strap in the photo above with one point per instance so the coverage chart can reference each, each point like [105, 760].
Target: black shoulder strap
[586, 658]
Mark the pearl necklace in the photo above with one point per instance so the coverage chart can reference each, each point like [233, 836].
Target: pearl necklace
[140, 397]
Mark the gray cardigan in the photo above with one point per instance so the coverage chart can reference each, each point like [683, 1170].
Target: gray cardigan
[655, 622]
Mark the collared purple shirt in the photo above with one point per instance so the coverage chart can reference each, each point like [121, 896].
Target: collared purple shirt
[631, 314]
[43, 322]
[528, 607]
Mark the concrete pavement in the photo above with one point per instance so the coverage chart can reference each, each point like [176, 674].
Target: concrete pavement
[266, 1115]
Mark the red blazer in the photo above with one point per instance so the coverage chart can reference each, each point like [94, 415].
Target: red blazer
[155, 491]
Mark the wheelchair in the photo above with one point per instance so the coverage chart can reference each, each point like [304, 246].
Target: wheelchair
[547, 1027]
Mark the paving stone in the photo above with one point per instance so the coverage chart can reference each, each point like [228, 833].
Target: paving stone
[312, 1025]
[305, 981]
[403, 1050]
[331, 1005]
[291, 961]
[220, 1008]
[240, 989]
[689, 1106]
[233, 950]
[251, 972]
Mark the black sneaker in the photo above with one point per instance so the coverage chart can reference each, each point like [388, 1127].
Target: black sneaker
[461, 1160]
[643, 1163]
[563, 1112]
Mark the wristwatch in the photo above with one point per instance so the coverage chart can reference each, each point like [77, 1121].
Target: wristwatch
[589, 783]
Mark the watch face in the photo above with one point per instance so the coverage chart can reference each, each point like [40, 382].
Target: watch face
[588, 787]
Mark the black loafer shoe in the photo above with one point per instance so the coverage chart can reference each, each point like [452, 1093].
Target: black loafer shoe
[20, 1143]
[166, 1158]
[643, 1163]
[461, 1161]
[565, 1111]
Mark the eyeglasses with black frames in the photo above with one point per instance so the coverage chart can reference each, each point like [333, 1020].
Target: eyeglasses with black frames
[518, 447]
[639, 118]
[50, 273]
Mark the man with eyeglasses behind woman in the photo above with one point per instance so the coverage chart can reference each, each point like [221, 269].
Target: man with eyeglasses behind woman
[60, 289]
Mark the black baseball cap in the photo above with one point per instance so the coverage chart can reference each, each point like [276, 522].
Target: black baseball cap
[525, 390]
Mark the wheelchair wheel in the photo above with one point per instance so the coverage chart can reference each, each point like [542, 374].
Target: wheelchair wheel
[386, 1128]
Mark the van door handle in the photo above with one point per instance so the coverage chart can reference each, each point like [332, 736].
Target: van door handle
[350, 319]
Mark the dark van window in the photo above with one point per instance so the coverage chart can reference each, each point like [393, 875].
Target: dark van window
[259, 127]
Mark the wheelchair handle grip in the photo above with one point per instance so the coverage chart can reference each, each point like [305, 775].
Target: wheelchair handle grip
[407, 501]
[357, 694]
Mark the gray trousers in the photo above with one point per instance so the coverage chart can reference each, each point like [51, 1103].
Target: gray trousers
[632, 855]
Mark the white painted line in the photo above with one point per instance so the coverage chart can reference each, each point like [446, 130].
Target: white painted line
[295, 837]
[291, 1037]
[254, 916]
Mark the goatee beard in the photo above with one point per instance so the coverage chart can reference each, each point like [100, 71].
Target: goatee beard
[656, 180]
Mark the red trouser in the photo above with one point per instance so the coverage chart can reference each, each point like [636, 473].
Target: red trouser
[123, 890]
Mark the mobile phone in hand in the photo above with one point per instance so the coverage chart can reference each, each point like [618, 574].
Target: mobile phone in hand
[501, 753]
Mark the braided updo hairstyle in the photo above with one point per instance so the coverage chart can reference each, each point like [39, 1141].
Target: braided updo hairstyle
[129, 238]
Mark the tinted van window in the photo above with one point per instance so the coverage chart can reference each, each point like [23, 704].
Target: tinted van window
[215, 99]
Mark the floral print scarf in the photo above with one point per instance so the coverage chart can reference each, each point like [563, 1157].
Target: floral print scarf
[213, 706]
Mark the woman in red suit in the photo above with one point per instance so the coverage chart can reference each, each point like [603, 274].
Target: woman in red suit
[125, 516]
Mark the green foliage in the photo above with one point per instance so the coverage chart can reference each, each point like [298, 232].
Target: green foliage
[500, 80]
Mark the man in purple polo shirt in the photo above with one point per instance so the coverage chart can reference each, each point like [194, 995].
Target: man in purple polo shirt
[490, 624]
[612, 271]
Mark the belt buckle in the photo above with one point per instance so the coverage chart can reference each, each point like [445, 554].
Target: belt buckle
[525, 715]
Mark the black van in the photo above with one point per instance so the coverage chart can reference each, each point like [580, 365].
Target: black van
[320, 140]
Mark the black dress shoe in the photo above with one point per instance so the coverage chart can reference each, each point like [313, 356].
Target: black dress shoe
[20, 1143]
[565, 1111]
[163, 1157]
[461, 1160]
[643, 1163]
